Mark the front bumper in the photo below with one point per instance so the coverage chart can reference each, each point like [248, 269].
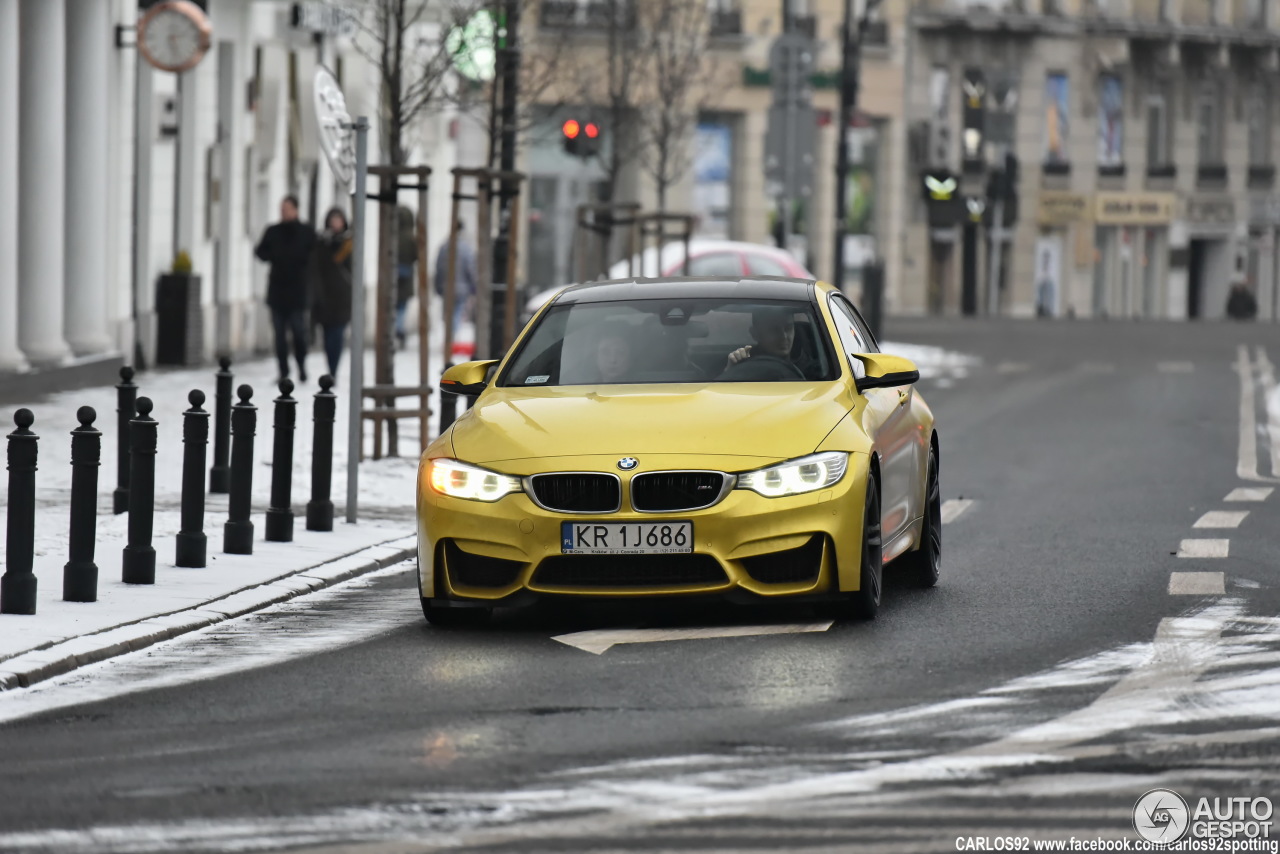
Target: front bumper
[501, 552]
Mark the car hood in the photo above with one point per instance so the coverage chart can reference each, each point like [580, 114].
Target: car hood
[771, 421]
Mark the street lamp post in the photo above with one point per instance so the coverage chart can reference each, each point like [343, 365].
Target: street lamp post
[849, 82]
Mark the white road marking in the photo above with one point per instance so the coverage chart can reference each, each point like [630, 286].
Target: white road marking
[953, 507]
[1247, 448]
[598, 641]
[1249, 493]
[1197, 584]
[1203, 548]
[1271, 403]
[1175, 367]
[1221, 519]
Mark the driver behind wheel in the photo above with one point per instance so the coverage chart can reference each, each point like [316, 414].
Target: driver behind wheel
[774, 330]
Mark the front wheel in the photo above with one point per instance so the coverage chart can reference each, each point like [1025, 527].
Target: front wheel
[920, 567]
[864, 603]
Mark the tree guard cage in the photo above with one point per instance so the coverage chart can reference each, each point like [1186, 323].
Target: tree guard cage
[593, 236]
[656, 226]
[385, 392]
[508, 185]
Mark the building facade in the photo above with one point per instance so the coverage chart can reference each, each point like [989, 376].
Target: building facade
[1144, 134]
[110, 168]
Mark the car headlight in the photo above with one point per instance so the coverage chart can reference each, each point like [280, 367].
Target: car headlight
[794, 477]
[460, 480]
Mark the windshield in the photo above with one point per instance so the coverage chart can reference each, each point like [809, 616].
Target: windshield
[674, 341]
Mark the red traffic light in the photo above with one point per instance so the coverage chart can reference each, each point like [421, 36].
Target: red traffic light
[592, 130]
[571, 129]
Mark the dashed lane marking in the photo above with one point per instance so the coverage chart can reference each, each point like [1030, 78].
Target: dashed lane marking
[953, 507]
[1175, 367]
[1197, 584]
[1221, 519]
[1249, 493]
[1203, 548]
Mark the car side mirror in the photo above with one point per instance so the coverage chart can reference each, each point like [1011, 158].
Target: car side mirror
[885, 371]
[469, 378]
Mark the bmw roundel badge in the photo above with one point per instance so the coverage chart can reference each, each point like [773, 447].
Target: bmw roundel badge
[628, 463]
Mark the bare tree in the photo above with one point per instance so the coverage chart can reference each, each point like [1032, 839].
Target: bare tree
[617, 95]
[675, 38]
[414, 71]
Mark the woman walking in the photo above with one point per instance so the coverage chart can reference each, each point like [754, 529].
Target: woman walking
[331, 285]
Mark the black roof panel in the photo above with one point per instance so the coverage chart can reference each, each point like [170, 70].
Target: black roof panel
[756, 287]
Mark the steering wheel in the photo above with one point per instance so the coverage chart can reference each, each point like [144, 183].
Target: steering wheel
[763, 366]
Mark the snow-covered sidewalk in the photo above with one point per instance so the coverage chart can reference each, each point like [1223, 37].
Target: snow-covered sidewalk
[63, 635]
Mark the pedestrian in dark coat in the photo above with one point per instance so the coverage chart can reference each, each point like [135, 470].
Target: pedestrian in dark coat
[406, 257]
[331, 285]
[287, 246]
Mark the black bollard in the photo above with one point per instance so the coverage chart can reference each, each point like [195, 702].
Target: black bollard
[237, 534]
[80, 575]
[195, 436]
[126, 402]
[320, 507]
[18, 586]
[280, 513]
[139, 563]
[219, 475]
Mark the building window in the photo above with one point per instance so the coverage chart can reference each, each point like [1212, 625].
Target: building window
[1110, 124]
[1157, 121]
[724, 18]
[1209, 127]
[1057, 123]
[1259, 118]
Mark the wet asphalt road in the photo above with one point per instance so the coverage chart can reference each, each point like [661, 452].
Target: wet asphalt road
[1088, 450]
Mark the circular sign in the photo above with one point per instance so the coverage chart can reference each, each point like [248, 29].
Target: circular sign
[471, 47]
[336, 135]
[174, 35]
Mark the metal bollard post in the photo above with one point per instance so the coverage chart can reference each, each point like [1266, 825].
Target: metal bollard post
[18, 586]
[219, 475]
[192, 541]
[80, 575]
[237, 534]
[139, 563]
[126, 402]
[320, 507]
[280, 513]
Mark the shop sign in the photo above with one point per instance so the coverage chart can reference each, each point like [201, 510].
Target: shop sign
[1060, 208]
[1264, 210]
[1211, 210]
[320, 17]
[1134, 208]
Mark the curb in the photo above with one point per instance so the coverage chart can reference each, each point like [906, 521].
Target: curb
[28, 668]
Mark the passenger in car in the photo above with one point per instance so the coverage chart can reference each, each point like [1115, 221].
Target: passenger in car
[613, 353]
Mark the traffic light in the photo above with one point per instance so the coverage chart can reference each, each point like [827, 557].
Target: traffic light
[941, 193]
[581, 139]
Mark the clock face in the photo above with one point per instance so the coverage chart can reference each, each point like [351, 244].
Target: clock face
[173, 36]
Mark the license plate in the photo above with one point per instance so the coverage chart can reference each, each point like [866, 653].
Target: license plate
[626, 538]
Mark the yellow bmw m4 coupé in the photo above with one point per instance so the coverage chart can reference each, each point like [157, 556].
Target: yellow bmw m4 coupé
[682, 437]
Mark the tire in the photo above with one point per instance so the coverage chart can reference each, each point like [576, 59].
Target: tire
[865, 603]
[454, 618]
[919, 568]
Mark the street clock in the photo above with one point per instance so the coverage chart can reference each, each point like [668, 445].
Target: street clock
[174, 35]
